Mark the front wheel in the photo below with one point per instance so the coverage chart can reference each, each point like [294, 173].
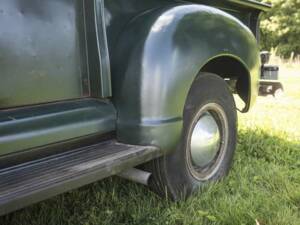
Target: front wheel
[207, 143]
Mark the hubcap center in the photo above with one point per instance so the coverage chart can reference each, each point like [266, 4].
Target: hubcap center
[205, 141]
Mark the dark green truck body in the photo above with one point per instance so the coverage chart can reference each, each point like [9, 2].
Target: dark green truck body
[77, 72]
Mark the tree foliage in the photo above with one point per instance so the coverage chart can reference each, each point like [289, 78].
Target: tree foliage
[280, 27]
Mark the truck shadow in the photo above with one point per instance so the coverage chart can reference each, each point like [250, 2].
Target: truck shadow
[116, 201]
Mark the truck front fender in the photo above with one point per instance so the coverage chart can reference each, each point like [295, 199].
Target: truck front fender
[156, 60]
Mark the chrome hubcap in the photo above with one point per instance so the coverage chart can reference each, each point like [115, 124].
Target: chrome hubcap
[205, 141]
[208, 140]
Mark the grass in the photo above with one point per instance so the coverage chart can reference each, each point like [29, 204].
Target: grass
[263, 186]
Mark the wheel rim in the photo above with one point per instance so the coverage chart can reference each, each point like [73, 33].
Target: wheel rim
[207, 141]
[278, 93]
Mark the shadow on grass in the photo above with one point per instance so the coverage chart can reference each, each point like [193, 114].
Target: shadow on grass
[263, 184]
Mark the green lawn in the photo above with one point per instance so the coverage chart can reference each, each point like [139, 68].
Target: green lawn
[262, 188]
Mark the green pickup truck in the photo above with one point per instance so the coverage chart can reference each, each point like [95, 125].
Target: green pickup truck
[142, 89]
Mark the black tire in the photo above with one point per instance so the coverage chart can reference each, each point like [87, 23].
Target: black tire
[173, 174]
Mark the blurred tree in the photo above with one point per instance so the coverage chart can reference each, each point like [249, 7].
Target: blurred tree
[280, 28]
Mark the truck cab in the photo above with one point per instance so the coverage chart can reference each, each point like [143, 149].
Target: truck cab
[94, 88]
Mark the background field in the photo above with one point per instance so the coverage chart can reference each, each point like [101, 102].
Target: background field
[263, 187]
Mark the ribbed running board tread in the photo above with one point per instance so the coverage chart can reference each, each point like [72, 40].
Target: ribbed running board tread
[38, 180]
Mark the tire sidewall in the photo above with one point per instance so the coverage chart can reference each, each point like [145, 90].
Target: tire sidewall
[207, 88]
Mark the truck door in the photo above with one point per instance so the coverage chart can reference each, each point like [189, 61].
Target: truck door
[52, 52]
[44, 51]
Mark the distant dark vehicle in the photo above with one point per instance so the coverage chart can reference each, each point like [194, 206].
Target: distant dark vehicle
[269, 83]
[94, 88]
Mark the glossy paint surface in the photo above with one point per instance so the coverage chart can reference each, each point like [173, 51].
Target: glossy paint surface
[158, 56]
[50, 51]
[40, 51]
[65, 49]
[153, 50]
[37, 126]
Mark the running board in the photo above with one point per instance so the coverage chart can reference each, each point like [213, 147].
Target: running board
[38, 180]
